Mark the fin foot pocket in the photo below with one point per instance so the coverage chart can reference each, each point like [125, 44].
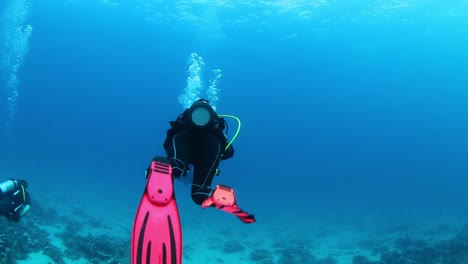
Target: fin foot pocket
[159, 187]
[223, 198]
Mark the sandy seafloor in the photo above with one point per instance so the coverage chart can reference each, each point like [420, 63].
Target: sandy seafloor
[83, 227]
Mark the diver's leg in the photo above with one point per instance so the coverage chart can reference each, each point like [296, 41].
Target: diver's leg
[206, 161]
[179, 153]
[7, 206]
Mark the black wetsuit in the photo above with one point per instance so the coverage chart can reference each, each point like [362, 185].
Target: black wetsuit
[201, 147]
[11, 203]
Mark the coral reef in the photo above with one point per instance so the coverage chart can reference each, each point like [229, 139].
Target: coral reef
[233, 246]
[295, 254]
[361, 260]
[29, 235]
[61, 238]
[261, 256]
[295, 251]
[19, 239]
[404, 249]
[54, 253]
[96, 249]
[407, 251]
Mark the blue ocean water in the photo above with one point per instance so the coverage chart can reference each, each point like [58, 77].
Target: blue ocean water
[348, 108]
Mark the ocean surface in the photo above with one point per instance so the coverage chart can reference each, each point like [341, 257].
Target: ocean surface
[354, 118]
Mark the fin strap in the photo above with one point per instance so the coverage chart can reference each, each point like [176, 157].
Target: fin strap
[223, 198]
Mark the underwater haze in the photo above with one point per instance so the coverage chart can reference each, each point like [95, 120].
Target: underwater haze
[354, 114]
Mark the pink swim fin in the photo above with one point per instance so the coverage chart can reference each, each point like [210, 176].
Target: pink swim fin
[157, 233]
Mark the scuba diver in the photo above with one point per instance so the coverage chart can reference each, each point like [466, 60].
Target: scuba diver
[197, 137]
[15, 201]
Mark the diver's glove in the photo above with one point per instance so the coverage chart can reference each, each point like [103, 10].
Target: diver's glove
[159, 159]
[18, 212]
[224, 199]
[178, 166]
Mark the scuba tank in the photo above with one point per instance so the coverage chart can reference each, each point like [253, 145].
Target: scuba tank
[8, 186]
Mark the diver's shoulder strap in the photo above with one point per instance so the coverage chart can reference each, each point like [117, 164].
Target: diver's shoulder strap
[220, 123]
